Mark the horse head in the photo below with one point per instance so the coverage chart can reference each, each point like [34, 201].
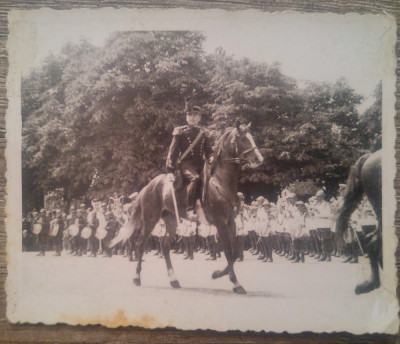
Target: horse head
[243, 149]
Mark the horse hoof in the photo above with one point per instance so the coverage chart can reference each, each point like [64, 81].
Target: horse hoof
[217, 274]
[366, 287]
[137, 282]
[175, 284]
[239, 290]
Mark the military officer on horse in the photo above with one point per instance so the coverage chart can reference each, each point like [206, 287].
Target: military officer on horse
[189, 149]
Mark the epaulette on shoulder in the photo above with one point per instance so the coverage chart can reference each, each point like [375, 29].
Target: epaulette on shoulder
[179, 130]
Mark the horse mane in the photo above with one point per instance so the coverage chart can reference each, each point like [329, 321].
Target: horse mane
[220, 144]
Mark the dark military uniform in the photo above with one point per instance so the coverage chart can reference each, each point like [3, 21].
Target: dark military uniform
[71, 240]
[192, 164]
[93, 241]
[111, 228]
[44, 233]
[59, 236]
[81, 243]
[27, 237]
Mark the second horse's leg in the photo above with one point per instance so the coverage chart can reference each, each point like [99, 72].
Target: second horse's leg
[374, 248]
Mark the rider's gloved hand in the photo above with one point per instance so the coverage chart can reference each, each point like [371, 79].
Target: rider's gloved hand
[171, 177]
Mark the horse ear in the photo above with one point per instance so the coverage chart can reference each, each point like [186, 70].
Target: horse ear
[237, 125]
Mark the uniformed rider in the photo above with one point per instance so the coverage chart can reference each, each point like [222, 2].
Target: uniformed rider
[189, 160]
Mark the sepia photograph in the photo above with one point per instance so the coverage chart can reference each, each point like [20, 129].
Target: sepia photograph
[223, 170]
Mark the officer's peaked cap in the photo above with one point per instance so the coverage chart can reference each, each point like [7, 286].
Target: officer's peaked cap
[196, 110]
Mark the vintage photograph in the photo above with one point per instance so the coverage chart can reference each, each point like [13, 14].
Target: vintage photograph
[224, 170]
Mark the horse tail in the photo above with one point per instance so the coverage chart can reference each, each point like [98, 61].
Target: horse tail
[353, 194]
[127, 231]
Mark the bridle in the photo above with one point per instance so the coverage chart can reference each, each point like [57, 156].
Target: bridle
[240, 159]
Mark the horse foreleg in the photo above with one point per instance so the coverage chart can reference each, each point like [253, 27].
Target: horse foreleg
[231, 250]
[219, 273]
[237, 288]
[229, 270]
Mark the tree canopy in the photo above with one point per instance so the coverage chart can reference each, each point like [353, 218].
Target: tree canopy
[99, 120]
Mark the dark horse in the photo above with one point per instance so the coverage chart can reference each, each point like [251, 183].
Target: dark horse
[235, 150]
[365, 177]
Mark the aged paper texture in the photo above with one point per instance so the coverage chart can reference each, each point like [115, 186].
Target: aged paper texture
[94, 97]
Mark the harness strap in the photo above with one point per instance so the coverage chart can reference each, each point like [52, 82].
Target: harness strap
[186, 152]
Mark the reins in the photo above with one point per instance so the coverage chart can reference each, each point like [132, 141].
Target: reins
[240, 158]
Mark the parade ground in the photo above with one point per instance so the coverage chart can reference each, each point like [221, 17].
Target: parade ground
[281, 296]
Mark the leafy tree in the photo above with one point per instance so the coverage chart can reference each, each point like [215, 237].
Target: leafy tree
[371, 122]
[99, 120]
[113, 121]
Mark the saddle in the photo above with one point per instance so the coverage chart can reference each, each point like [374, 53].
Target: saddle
[180, 183]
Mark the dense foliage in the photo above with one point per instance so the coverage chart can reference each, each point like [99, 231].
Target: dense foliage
[99, 120]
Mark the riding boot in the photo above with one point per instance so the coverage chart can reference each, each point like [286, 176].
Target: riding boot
[355, 252]
[296, 257]
[354, 260]
[191, 247]
[256, 252]
[181, 251]
[349, 257]
[349, 253]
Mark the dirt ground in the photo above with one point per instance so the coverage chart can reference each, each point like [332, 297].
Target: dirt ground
[281, 296]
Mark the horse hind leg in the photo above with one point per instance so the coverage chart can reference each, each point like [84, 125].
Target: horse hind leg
[139, 257]
[144, 235]
[170, 224]
[171, 274]
[373, 282]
